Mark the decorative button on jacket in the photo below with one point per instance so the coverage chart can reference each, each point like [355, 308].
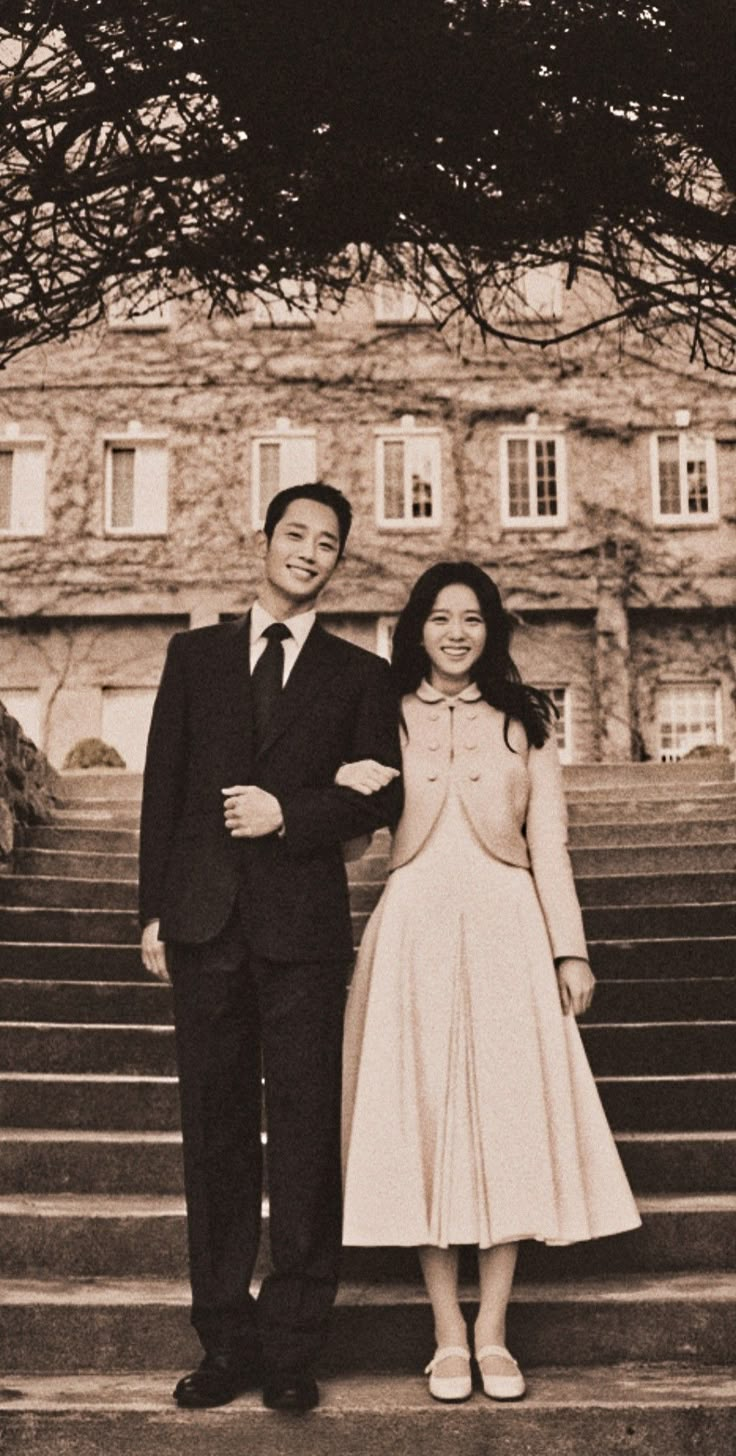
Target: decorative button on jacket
[513, 797]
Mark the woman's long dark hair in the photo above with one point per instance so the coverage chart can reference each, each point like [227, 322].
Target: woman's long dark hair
[495, 672]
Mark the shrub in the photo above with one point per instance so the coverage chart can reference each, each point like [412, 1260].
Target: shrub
[93, 753]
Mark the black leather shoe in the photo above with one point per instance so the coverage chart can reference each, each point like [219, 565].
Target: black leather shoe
[291, 1392]
[220, 1377]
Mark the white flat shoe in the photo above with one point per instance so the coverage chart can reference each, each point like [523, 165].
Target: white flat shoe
[449, 1387]
[501, 1387]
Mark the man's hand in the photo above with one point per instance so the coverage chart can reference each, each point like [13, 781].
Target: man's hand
[576, 984]
[250, 813]
[366, 776]
[153, 952]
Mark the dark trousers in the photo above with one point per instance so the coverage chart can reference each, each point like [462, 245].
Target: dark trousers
[235, 1014]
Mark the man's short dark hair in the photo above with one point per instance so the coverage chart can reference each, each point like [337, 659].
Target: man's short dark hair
[316, 490]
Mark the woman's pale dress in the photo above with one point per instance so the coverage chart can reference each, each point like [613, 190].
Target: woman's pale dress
[470, 1114]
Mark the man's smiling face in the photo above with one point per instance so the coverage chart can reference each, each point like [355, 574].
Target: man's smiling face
[301, 556]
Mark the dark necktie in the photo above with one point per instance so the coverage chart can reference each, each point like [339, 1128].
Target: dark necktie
[267, 679]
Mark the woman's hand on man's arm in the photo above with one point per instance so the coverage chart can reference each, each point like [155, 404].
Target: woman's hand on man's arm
[366, 776]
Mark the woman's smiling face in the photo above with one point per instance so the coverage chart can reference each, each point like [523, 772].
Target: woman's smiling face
[453, 637]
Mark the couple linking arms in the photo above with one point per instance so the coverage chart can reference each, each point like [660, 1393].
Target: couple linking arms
[469, 1113]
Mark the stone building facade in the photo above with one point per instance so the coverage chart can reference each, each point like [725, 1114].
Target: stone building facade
[596, 482]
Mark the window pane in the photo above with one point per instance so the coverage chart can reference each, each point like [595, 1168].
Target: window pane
[669, 475]
[697, 487]
[517, 454]
[687, 718]
[6, 489]
[122, 503]
[393, 480]
[546, 469]
[269, 473]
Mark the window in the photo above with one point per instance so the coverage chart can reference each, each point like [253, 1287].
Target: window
[395, 302]
[385, 636]
[408, 471]
[536, 296]
[688, 715]
[562, 699]
[533, 480]
[145, 314]
[126, 718]
[296, 309]
[542, 293]
[287, 456]
[24, 704]
[136, 487]
[22, 488]
[684, 482]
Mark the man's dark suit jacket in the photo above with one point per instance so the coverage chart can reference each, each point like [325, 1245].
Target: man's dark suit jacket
[337, 706]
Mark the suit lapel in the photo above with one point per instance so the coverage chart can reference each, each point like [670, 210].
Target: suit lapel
[234, 698]
[311, 673]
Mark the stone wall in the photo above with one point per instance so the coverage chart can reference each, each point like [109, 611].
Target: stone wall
[27, 782]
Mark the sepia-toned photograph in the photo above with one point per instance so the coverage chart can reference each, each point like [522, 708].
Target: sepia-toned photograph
[367, 727]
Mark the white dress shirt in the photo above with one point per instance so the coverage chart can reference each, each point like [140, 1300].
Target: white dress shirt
[299, 626]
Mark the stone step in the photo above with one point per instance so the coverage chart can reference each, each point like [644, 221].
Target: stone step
[716, 807]
[46, 891]
[106, 805]
[704, 999]
[121, 783]
[82, 1001]
[715, 887]
[78, 1161]
[695, 887]
[645, 859]
[668, 832]
[662, 1410]
[67, 1326]
[620, 922]
[101, 818]
[34, 924]
[645, 1103]
[642, 959]
[702, 770]
[86, 864]
[614, 1049]
[94, 1236]
[689, 957]
[20, 960]
[95, 841]
[632, 859]
[602, 922]
[652, 791]
[72, 1160]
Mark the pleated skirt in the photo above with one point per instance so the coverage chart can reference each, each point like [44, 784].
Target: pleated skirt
[470, 1113]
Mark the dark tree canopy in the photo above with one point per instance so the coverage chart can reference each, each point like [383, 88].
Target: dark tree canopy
[221, 146]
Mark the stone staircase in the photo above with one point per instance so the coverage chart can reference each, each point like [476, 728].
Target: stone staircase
[626, 1342]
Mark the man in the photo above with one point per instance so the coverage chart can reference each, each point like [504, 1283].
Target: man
[244, 902]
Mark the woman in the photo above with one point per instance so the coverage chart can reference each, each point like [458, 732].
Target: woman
[470, 1112]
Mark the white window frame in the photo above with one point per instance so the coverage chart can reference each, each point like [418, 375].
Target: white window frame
[271, 311]
[534, 521]
[121, 316]
[686, 440]
[566, 748]
[282, 435]
[408, 433]
[15, 445]
[385, 626]
[132, 441]
[691, 686]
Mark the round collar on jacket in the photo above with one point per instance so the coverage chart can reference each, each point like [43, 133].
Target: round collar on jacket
[429, 694]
